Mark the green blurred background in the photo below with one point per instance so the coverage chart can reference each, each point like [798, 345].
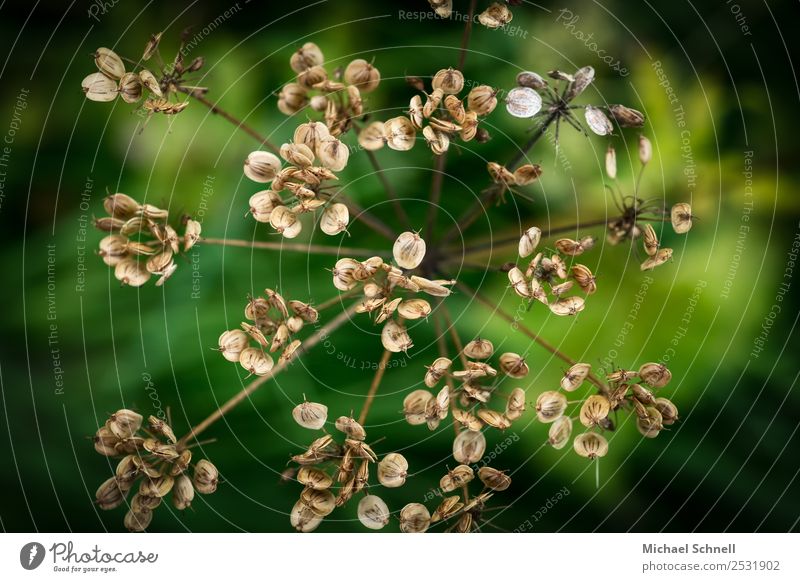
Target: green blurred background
[730, 464]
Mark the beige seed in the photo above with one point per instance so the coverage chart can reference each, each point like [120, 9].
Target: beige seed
[626, 116]
[310, 415]
[414, 309]
[393, 470]
[414, 406]
[494, 419]
[568, 306]
[320, 501]
[314, 478]
[494, 479]
[436, 371]
[594, 410]
[255, 361]
[109, 63]
[597, 121]
[560, 432]
[285, 221]
[515, 405]
[438, 141]
[574, 376]
[523, 102]
[650, 423]
[645, 150]
[496, 15]
[149, 80]
[650, 239]
[414, 518]
[98, 87]
[456, 478]
[482, 100]
[532, 80]
[661, 257]
[307, 56]
[303, 519]
[584, 278]
[529, 241]
[513, 365]
[668, 410]
[206, 477]
[590, 445]
[611, 162]
[292, 98]
[261, 166]
[450, 81]
[681, 218]
[137, 521]
[372, 138]
[395, 338]
[655, 374]
[373, 513]
[363, 75]
[467, 419]
[334, 219]
[409, 250]
[399, 133]
[469, 446]
[333, 154]
[527, 173]
[182, 492]
[550, 405]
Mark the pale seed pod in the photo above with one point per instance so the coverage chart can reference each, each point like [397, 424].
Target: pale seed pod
[594, 410]
[191, 233]
[109, 495]
[130, 88]
[280, 338]
[109, 63]
[304, 310]
[447, 508]
[560, 76]
[320, 501]
[435, 288]
[669, 412]
[531, 80]
[149, 80]
[621, 375]
[182, 492]
[661, 257]
[645, 150]
[560, 432]
[399, 133]
[584, 278]
[310, 415]
[467, 419]
[513, 365]
[121, 206]
[436, 371]
[409, 250]
[373, 513]
[161, 428]
[312, 77]
[414, 406]
[158, 263]
[529, 241]
[519, 283]
[98, 87]
[527, 174]
[651, 423]
[105, 442]
[649, 239]
[307, 56]
[482, 100]
[388, 309]
[151, 46]
[625, 116]
[580, 80]
[110, 224]
[255, 361]
[349, 426]
[438, 141]
[479, 349]
[314, 478]
[393, 470]
[363, 75]
[285, 221]
[550, 405]
[574, 376]
[143, 503]
[414, 309]
[469, 446]
[415, 112]
[371, 138]
[569, 247]
[568, 306]
[494, 419]
[414, 518]
[500, 174]
[450, 81]
[455, 107]
[335, 219]
[180, 464]
[611, 162]
[206, 477]
[642, 394]
[343, 271]
[432, 103]
[333, 154]
[494, 479]
[158, 487]
[164, 451]
[523, 102]
[361, 450]
[681, 217]
[137, 521]
[292, 98]
[299, 155]
[303, 519]
[590, 445]
[290, 351]
[561, 288]
[597, 121]
[496, 15]
[124, 423]
[655, 374]
[294, 324]
[456, 478]
[261, 166]
[469, 127]
[395, 338]
[515, 405]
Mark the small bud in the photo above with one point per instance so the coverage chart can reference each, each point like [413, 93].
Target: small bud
[611, 162]
[645, 150]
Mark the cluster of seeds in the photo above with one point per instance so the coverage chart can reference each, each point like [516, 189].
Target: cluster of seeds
[142, 243]
[548, 279]
[496, 15]
[112, 80]
[634, 210]
[304, 181]
[535, 96]
[333, 472]
[381, 281]
[506, 179]
[441, 117]
[271, 327]
[337, 96]
[152, 457]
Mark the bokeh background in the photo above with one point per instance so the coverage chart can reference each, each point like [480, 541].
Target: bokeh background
[74, 351]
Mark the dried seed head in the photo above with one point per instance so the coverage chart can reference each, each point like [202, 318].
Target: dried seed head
[307, 56]
[531, 80]
[645, 150]
[494, 479]
[139, 520]
[98, 87]
[469, 446]
[256, 361]
[334, 219]
[182, 492]
[206, 477]
[349, 426]
[625, 116]
[661, 257]
[681, 217]
[292, 98]
[495, 16]
[649, 239]
[109, 495]
[590, 445]
[395, 338]
[560, 432]
[479, 349]
[303, 519]
[414, 308]
[414, 518]
[450, 81]
[611, 162]
[467, 419]
[523, 102]
[580, 80]
[597, 121]
[436, 370]
[669, 412]
[393, 470]
[456, 478]
[124, 423]
[373, 513]
[399, 133]
[529, 241]
[333, 154]
[494, 419]
[409, 250]
[650, 423]
[515, 405]
[438, 141]
[574, 376]
[527, 173]
[261, 166]
[285, 221]
[109, 63]
[372, 138]
[513, 365]
[568, 306]
[655, 374]
[363, 75]
[310, 415]
[550, 405]
[414, 406]
[594, 410]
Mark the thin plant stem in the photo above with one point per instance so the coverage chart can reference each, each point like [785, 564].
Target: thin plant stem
[454, 336]
[373, 388]
[390, 191]
[321, 334]
[529, 333]
[295, 247]
[366, 217]
[334, 300]
[436, 193]
[462, 55]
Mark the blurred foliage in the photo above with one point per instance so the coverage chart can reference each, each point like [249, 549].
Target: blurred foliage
[730, 462]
